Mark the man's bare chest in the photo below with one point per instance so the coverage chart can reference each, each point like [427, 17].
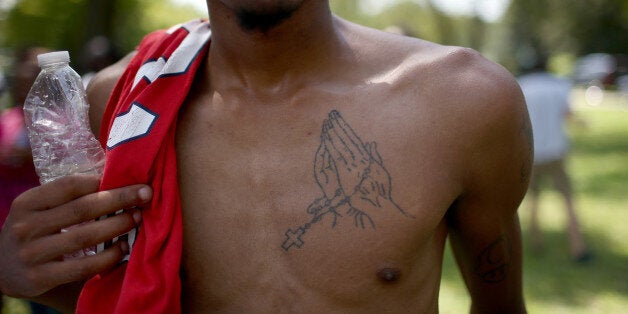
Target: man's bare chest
[292, 187]
[349, 162]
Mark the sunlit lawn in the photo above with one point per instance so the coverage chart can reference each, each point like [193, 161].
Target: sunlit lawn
[552, 282]
[599, 169]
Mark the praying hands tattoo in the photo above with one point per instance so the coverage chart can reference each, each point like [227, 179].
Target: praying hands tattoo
[352, 178]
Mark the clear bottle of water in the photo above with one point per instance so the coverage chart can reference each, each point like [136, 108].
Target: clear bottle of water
[56, 117]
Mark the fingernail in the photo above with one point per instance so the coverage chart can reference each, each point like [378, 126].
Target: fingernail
[124, 247]
[137, 216]
[144, 193]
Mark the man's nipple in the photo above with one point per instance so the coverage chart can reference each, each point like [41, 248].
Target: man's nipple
[389, 275]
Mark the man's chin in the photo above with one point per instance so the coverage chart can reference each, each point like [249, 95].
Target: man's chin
[263, 15]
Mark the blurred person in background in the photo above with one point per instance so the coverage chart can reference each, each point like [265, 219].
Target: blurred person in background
[548, 100]
[98, 53]
[17, 172]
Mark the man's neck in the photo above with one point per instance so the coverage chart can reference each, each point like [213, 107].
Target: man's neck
[275, 59]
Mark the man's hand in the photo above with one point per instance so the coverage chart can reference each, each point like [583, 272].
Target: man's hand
[375, 186]
[353, 180]
[347, 152]
[359, 169]
[32, 246]
[325, 172]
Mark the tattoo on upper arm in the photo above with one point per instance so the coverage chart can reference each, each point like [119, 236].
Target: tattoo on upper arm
[493, 262]
[352, 179]
[526, 132]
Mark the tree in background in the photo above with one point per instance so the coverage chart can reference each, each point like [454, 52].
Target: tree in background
[422, 19]
[574, 27]
[551, 27]
[68, 25]
[564, 28]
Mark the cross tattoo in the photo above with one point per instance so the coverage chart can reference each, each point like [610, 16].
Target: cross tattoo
[293, 238]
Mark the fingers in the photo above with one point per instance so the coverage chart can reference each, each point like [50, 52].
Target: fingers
[83, 268]
[338, 151]
[57, 192]
[323, 171]
[31, 245]
[346, 134]
[73, 199]
[81, 236]
[319, 160]
[90, 207]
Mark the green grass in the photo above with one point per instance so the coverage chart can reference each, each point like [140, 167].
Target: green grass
[598, 166]
[552, 283]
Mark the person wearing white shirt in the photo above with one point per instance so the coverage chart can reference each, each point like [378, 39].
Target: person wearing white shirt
[547, 97]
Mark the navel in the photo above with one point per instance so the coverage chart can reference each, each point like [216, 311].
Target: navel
[389, 275]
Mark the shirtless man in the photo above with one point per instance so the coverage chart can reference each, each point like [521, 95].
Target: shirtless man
[321, 165]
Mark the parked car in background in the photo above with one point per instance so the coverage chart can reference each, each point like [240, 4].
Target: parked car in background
[603, 70]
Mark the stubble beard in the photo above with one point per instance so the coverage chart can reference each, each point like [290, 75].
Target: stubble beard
[263, 19]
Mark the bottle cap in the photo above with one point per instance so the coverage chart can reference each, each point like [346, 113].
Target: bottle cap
[45, 59]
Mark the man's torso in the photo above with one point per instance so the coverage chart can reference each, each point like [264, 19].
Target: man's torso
[286, 212]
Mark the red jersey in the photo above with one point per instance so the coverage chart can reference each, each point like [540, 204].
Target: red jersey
[138, 131]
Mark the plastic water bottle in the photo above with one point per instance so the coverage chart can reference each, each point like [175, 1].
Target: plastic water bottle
[56, 116]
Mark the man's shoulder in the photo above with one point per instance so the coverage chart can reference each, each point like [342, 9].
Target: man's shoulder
[458, 87]
[458, 80]
[446, 70]
[460, 90]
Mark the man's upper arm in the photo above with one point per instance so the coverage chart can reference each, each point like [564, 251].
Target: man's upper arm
[483, 223]
[100, 88]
